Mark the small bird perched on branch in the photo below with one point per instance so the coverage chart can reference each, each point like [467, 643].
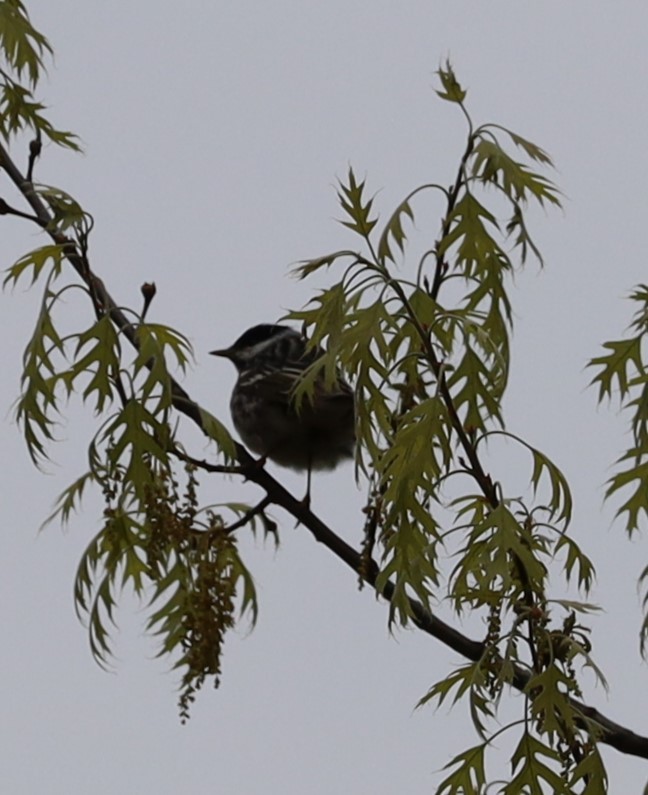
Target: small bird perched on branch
[317, 434]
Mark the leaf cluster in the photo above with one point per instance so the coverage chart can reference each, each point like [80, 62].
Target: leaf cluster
[428, 351]
[24, 49]
[622, 374]
[152, 539]
[556, 746]
[182, 559]
[428, 348]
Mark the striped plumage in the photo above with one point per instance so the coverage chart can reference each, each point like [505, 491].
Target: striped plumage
[269, 359]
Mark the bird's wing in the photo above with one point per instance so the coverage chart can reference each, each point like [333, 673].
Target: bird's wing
[278, 386]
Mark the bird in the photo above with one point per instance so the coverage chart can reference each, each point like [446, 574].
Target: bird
[317, 434]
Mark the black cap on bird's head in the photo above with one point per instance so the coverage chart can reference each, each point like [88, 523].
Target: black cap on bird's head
[253, 341]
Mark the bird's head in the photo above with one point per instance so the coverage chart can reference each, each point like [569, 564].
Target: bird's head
[263, 344]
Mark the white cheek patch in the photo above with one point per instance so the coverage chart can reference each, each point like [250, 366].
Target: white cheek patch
[262, 346]
[254, 378]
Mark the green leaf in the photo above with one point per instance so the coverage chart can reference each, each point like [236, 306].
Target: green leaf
[394, 230]
[309, 266]
[35, 262]
[37, 402]
[523, 241]
[69, 500]
[154, 342]
[477, 389]
[19, 112]
[22, 45]
[66, 211]
[500, 556]
[529, 148]
[490, 163]
[549, 693]
[410, 563]
[637, 503]
[93, 598]
[560, 501]
[643, 633]
[353, 203]
[617, 367]
[101, 359]
[590, 772]
[452, 90]
[460, 679]
[531, 770]
[331, 309]
[576, 560]
[215, 429]
[470, 773]
[139, 442]
[467, 231]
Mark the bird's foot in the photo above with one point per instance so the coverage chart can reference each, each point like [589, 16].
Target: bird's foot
[255, 465]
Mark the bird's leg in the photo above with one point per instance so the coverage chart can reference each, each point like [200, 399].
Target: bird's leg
[261, 461]
[307, 496]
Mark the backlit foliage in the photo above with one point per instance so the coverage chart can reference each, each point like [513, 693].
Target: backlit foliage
[622, 373]
[424, 335]
[431, 361]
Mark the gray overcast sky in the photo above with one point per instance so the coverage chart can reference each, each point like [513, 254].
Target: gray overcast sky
[214, 133]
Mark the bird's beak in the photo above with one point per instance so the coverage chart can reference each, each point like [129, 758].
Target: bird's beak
[224, 352]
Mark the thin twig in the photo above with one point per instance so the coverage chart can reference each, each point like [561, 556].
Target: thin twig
[207, 466]
[7, 209]
[249, 515]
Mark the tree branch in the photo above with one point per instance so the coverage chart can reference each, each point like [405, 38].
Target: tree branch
[613, 734]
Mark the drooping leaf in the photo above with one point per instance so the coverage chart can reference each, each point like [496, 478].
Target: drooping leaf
[215, 429]
[101, 360]
[35, 262]
[532, 150]
[534, 764]
[38, 404]
[393, 231]
[21, 44]
[469, 774]
[70, 500]
[307, 267]
[491, 163]
[636, 477]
